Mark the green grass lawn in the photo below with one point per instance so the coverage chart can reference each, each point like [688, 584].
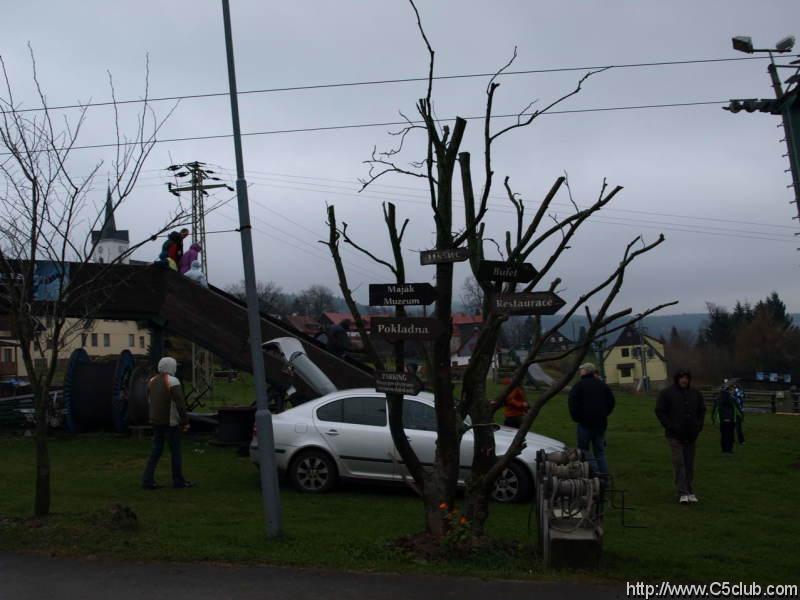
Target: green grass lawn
[745, 527]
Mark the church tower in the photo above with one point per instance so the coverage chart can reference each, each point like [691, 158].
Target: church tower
[111, 242]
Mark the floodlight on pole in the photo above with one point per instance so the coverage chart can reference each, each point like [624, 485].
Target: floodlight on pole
[743, 43]
[786, 44]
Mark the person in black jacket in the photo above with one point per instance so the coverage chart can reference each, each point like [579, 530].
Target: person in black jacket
[730, 415]
[590, 403]
[681, 410]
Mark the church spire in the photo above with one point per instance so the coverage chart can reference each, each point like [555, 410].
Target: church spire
[109, 225]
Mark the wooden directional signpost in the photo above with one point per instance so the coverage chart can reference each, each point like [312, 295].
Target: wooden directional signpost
[390, 382]
[409, 328]
[432, 257]
[498, 270]
[396, 294]
[528, 303]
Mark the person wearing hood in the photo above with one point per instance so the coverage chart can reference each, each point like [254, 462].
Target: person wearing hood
[681, 411]
[591, 401]
[168, 417]
[191, 255]
[196, 274]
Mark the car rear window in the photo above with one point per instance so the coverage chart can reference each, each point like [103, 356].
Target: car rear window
[418, 415]
[331, 411]
[356, 411]
[365, 411]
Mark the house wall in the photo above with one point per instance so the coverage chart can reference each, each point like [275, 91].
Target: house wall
[656, 367]
[101, 338]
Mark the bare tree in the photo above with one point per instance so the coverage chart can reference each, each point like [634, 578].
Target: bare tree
[49, 286]
[315, 300]
[437, 483]
[472, 296]
[271, 298]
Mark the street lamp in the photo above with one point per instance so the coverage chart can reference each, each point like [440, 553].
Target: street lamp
[744, 43]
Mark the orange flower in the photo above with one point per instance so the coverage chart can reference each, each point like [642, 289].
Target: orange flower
[443, 506]
[463, 520]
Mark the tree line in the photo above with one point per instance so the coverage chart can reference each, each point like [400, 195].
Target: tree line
[739, 342]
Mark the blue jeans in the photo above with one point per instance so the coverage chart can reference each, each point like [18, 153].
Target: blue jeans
[172, 436]
[597, 440]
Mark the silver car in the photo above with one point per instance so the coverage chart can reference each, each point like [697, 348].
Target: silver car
[345, 434]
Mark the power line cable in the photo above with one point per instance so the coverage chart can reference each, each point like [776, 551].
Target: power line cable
[421, 193]
[739, 234]
[323, 86]
[385, 124]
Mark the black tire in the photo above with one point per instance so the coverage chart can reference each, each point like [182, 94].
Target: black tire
[513, 485]
[313, 472]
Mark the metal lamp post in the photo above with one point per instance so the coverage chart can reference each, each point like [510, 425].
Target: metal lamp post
[270, 493]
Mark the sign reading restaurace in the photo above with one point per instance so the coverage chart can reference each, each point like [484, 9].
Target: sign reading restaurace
[498, 270]
[432, 257]
[391, 382]
[389, 294]
[531, 303]
[412, 328]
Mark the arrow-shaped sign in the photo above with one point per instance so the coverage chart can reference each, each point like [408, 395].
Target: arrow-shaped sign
[432, 257]
[390, 382]
[498, 270]
[395, 294]
[529, 303]
[411, 328]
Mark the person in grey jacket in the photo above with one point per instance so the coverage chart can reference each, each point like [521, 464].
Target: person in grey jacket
[168, 417]
[681, 411]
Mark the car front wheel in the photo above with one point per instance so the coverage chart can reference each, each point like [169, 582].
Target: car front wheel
[513, 484]
[313, 471]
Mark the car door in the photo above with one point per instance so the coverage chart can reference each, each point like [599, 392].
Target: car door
[357, 432]
[419, 421]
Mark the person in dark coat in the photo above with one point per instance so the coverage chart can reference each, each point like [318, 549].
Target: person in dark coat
[338, 339]
[681, 411]
[591, 401]
[727, 409]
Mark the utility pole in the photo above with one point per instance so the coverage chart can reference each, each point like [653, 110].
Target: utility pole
[785, 104]
[202, 361]
[270, 494]
[198, 175]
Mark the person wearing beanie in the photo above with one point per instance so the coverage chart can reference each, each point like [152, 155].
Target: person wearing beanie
[591, 401]
[168, 417]
[681, 411]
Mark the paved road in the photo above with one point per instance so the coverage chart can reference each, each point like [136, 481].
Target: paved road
[39, 578]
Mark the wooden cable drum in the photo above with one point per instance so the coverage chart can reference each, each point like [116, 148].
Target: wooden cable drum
[96, 392]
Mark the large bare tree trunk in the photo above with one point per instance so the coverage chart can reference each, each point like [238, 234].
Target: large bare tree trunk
[41, 505]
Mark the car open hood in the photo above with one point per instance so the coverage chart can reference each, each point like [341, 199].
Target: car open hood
[503, 437]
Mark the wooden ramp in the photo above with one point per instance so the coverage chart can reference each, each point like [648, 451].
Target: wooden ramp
[208, 317]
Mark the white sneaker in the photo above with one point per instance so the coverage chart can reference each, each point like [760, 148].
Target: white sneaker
[684, 500]
[693, 498]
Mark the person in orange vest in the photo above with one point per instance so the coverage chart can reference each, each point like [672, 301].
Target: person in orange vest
[515, 406]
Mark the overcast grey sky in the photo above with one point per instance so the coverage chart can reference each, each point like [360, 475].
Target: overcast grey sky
[719, 176]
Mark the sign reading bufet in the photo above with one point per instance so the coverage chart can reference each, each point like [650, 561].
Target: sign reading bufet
[498, 270]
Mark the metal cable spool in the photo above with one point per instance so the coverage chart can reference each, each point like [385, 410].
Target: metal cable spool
[95, 393]
[573, 470]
